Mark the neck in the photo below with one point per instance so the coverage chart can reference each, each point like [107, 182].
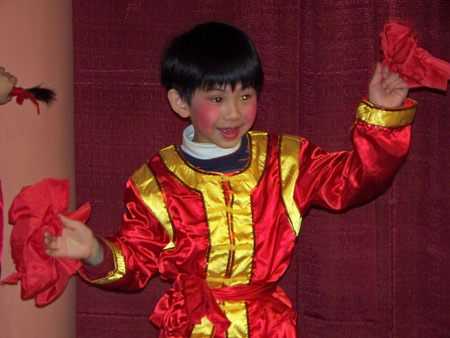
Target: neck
[203, 151]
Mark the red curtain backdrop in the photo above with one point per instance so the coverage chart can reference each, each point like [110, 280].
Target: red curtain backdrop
[379, 270]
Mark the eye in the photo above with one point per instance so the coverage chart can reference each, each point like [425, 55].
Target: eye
[245, 97]
[217, 99]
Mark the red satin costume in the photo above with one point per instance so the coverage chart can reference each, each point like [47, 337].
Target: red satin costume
[226, 239]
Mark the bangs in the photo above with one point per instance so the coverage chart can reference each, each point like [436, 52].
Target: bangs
[248, 74]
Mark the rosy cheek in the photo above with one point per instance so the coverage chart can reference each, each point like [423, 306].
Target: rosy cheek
[251, 111]
[204, 115]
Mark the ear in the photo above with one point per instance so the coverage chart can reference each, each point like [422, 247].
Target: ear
[178, 104]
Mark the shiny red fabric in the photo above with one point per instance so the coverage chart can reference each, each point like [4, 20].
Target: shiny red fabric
[22, 94]
[33, 211]
[193, 301]
[332, 180]
[346, 178]
[416, 66]
[196, 301]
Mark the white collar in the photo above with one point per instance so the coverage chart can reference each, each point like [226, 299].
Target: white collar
[203, 151]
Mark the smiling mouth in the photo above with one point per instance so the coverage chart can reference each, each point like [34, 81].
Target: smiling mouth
[230, 132]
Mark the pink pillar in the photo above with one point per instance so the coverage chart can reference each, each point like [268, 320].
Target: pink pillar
[36, 46]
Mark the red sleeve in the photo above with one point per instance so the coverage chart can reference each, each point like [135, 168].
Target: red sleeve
[133, 252]
[104, 268]
[381, 139]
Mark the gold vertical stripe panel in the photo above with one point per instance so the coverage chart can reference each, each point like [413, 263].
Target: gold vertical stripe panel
[242, 223]
[153, 197]
[289, 167]
[230, 225]
[203, 330]
[236, 312]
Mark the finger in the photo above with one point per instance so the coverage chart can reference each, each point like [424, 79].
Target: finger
[393, 77]
[385, 72]
[52, 252]
[68, 222]
[376, 77]
[52, 242]
[14, 80]
[390, 85]
[402, 85]
[46, 236]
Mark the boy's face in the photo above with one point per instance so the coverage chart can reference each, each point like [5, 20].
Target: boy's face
[222, 115]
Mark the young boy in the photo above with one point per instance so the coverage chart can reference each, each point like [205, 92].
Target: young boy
[220, 213]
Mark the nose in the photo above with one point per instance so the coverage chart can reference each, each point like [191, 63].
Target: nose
[233, 111]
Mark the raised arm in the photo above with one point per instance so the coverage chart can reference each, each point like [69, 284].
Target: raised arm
[381, 138]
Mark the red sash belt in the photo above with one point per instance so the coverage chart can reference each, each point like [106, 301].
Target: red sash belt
[190, 300]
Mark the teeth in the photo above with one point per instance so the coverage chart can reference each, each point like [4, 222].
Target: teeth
[228, 130]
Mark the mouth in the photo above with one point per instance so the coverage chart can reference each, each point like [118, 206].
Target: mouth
[230, 133]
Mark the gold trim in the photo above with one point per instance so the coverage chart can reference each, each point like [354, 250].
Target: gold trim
[119, 266]
[228, 281]
[237, 247]
[153, 196]
[386, 117]
[223, 178]
[289, 169]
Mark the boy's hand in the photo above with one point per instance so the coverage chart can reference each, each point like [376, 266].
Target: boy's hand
[7, 83]
[387, 89]
[76, 241]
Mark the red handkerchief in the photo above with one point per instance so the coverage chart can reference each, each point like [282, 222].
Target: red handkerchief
[416, 66]
[33, 211]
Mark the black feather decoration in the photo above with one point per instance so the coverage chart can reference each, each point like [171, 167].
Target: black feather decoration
[34, 94]
[42, 94]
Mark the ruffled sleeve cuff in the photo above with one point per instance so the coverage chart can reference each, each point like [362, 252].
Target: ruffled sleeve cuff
[111, 269]
[387, 117]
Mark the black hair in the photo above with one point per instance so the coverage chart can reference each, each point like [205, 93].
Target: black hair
[42, 94]
[211, 54]
[34, 94]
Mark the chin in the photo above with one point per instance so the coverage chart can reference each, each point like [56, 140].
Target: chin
[229, 143]
[226, 146]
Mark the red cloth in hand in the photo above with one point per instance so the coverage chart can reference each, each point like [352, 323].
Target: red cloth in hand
[33, 211]
[416, 66]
